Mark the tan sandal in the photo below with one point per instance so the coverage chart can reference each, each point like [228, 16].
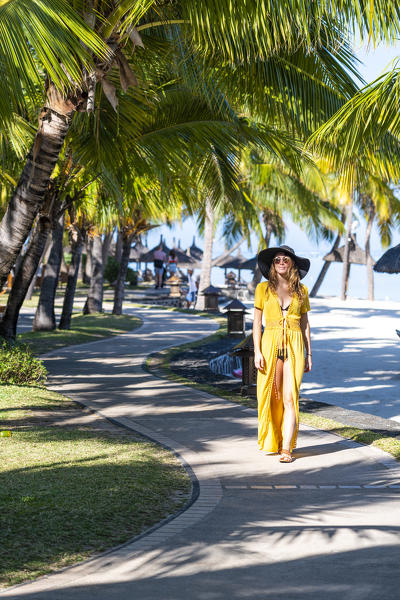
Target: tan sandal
[286, 456]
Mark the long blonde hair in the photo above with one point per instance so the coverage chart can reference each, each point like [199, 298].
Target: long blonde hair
[295, 286]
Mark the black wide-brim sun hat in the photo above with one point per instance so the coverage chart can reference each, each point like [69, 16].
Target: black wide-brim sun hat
[266, 257]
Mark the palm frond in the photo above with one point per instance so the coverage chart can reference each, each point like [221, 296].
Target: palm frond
[365, 130]
[38, 36]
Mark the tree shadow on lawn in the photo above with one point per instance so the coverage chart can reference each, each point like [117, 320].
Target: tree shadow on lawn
[78, 493]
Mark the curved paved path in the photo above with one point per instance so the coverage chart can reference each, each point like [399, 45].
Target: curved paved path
[326, 526]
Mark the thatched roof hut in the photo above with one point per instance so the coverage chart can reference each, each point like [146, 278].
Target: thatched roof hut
[184, 259]
[357, 254]
[224, 261]
[250, 264]
[236, 262]
[389, 262]
[148, 256]
[194, 251]
[137, 252]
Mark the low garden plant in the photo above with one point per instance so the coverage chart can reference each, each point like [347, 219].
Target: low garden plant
[18, 366]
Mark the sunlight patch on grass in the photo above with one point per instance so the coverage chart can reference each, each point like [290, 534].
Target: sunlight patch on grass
[362, 436]
[16, 401]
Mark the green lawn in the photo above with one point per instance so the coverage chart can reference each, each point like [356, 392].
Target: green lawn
[363, 436]
[84, 328]
[68, 492]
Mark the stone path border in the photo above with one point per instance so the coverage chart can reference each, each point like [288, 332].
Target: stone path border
[206, 493]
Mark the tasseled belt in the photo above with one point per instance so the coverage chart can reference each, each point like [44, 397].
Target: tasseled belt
[291, 323]
[283, 324]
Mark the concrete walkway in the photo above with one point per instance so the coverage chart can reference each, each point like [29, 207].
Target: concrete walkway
[326, 526]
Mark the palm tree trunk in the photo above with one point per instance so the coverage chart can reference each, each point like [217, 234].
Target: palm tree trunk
[106, 246]
[325, 268]
[346, 256]
[87, 272]
[94, 300]
[45, 316]
[43, 259]
[54, 122]
[257, 275]
[118, 246]
[370, 272]
[205, 273]
[123, 269]
[76, 242]
[23, 278]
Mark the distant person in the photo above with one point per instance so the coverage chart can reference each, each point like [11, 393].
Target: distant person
[172, 263]
[231, 279]
[191, 295]
[159, 258]
[283, 353]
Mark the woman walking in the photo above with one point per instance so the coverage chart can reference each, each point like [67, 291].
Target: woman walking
[283, 353]
[159, 258]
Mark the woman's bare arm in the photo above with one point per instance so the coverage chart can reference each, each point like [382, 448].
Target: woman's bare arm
[258, 357]
[305, 330]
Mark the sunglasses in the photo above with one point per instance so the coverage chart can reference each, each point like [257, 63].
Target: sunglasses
[281, 259]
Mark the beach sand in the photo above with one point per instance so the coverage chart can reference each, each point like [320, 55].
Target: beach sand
[356, 355]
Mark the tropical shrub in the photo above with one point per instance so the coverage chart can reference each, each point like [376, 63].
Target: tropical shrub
[19, 367]
[111, 270]
[131, 277]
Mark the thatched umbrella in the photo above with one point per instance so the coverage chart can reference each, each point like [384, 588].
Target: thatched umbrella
[389, 262]
[357, 255]
[148, 256]
[223, 261]
[184, 259]
[250, 264]
[236, 262]
[137, 252]
[194, 251]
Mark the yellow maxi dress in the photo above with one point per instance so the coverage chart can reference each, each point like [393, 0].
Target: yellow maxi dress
[278, 329]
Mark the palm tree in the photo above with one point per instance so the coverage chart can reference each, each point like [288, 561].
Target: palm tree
[130, 228]
[365, 173]
[366, 126]
[307, 196]
[26, 60]
[26, 271]
[45, 317]
[52, 210]
[379, 203]
[304, 33]
[76, 226]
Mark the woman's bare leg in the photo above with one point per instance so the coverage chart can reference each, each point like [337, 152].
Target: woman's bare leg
[276, 400]
[289, 415]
